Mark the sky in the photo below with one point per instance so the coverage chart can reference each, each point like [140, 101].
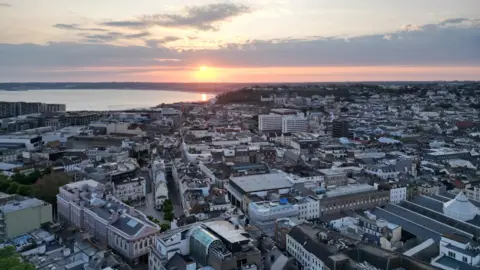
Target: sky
[239, 40]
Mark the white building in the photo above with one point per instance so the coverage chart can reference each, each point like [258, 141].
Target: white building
[460, 208]
[270, 122]
[306, 250]
[308, 208]
[294, 124]
[131, 189]
[31, 142]
[473, 193]
[398, 194]
[457, 251]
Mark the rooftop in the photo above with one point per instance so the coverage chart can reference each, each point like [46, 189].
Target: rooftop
[17, 205]
[227, 230]
[261, 182]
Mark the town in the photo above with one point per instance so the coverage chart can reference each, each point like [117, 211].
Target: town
[360, 176]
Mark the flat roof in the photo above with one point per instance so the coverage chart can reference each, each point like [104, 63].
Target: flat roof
[258, 182]
[15, 205]
[227, 230]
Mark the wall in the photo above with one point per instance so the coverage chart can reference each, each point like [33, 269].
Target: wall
[26, 220]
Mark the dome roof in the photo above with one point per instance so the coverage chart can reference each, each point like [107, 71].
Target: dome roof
[460, 208]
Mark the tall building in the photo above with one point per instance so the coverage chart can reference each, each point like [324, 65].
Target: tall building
[22, 215]
[294, 124]
[340, 128]
[9, 109]
[270, 122]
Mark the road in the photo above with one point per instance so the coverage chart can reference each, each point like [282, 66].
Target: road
[149, 207]
[174, 196]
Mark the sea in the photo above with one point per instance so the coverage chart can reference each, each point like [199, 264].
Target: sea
[103, 100]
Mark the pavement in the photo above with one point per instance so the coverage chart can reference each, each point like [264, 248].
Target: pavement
[149, 207]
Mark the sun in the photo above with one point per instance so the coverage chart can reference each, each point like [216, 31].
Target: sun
[205, 74]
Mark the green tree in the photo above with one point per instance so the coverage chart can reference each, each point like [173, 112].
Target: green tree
[47, 187]
[168, 216]
[13, 188]
[24, 190]
[47, 170]
[164, 227]
[10, 260]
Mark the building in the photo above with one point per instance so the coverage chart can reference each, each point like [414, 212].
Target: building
[457, 252]
[130, 190]
[282, 228]
[318, 249]
[264, 214]
[110, 222]
[218, 244]
[352, 197]
[8, 109]
[240, 189]
[294, 124]
[22, 215]
[434, 215]
[340, 128]
[334, 178]
[269, 122]
[31, 142]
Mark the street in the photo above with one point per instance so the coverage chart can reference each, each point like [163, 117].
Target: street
[149, 207]
[174, 197]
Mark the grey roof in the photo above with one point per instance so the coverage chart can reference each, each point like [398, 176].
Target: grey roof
[128, 225]
[416, 229]
[308, 239]
[430, 203]
[260, 182]
[454, 264]
[424, 210]
[433, 224]
[17, 205]
[450, 196]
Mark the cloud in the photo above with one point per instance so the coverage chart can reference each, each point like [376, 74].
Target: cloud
[5, 5]
[159, 42]
[424, 45]
[113, 36]
[205, 18]
[77, 27]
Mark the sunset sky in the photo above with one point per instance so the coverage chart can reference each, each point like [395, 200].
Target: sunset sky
[239, 40]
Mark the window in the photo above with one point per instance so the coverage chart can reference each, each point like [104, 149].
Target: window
[465, 259]
[451, 254]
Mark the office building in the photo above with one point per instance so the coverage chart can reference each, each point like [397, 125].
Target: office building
[9, 109]
[86, 205]
[270, 122]
[340, 128]
[294, 124]
[22, 215]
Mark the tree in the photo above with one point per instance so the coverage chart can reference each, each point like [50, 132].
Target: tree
[10, 260]
[12, 189]
[46, 188]
[168, 216]
[164, 227]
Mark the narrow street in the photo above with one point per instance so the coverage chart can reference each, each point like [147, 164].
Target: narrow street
[174, 197]
[149, 207]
